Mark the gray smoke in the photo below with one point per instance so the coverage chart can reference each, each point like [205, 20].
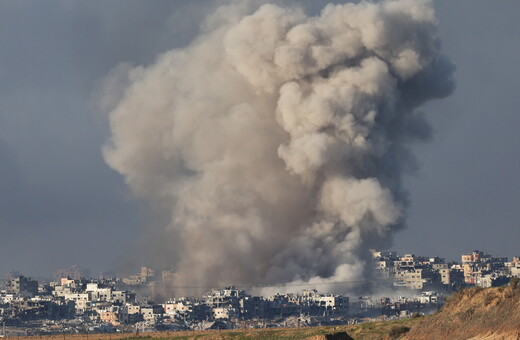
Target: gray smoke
[276, 141]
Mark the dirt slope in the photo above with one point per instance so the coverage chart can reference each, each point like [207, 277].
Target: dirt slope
[475, 313]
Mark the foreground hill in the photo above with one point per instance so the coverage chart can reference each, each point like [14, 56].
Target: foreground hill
[474, 313]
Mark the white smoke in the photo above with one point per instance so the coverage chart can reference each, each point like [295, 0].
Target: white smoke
[277, 140]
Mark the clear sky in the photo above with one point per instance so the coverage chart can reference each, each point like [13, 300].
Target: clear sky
[60, 204]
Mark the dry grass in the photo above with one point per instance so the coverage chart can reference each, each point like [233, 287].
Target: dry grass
[473, 312]
[380, 330]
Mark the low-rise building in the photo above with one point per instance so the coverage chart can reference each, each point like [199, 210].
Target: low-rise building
[22, 286]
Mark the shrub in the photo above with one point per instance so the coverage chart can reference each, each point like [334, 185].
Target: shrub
[488, 299]
[397, 331]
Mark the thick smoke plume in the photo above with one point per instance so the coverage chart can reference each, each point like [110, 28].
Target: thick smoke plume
[277, 141]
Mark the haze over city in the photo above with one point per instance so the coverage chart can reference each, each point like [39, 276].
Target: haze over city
[62, 204]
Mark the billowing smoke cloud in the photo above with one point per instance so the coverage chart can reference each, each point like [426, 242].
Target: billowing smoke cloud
[277, 141]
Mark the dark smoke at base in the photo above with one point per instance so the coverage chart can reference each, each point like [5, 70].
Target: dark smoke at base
[276, 142]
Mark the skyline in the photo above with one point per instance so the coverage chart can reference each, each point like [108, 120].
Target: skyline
[66, 206]
[76, 271]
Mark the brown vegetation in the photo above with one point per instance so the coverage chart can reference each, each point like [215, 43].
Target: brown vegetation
[474, 313]
[381, 330]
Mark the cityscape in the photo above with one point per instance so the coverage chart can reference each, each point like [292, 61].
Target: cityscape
[259, 169]
[73, 304]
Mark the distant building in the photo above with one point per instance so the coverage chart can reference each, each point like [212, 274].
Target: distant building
[417, 278]
[223, 312]
[168, 276]
[451, 276]
[75, 272]
[491, 280]
[152, 313]
[147, 272]
[477, 264]
[146, 275]
[22, 285]
[515, 268]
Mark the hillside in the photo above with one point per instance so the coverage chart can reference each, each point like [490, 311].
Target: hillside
[475, 313]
